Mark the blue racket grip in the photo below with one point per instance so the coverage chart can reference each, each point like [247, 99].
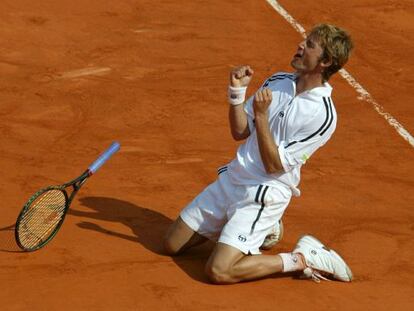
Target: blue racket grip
[103, 157]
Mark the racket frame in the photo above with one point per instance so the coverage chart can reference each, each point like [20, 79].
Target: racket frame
[76, 184]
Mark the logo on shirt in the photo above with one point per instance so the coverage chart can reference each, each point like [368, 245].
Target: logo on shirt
[281, 114]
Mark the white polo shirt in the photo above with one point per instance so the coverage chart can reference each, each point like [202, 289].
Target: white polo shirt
[300, 124]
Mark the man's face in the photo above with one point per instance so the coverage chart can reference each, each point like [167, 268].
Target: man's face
[308, 56]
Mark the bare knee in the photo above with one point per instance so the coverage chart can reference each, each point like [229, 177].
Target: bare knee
[218, 275]
[221, 267]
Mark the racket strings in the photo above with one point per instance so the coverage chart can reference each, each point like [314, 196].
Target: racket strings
[41, 218]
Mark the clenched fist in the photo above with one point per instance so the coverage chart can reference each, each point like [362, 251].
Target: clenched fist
[241, 76]
[262, 100]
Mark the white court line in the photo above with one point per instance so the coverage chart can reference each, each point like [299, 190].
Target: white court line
[363, 94]
[85, 72]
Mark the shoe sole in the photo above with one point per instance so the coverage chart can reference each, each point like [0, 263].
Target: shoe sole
[270, 245]
[312, 240]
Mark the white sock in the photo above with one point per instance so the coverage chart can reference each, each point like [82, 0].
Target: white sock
[291, 262]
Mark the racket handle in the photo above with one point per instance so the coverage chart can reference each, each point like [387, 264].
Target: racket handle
[103, 157]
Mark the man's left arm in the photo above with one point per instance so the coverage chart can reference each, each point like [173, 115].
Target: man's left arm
[267, 146]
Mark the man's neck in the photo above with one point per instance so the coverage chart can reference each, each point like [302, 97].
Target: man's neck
[307, 81]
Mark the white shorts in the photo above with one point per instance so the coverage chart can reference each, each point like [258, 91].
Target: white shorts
[237, 215]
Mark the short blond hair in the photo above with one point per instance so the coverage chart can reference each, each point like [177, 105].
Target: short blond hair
[336, 44]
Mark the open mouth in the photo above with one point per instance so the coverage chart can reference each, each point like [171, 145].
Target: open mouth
[297, 55]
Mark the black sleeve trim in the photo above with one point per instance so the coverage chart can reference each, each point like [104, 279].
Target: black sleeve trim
[322, 129]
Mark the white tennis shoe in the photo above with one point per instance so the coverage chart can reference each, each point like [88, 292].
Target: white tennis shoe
[322, 261]
[274, 236]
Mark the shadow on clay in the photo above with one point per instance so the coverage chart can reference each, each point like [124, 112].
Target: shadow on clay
[148, 227]
[8, 241]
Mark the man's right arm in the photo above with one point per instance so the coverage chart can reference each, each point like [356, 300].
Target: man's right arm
[240, 77]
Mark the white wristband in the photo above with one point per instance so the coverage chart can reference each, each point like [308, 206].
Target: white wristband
[236, 95]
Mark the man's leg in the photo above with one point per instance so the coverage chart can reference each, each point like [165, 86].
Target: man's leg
[206, 214]
[228, 265]
[180, 237]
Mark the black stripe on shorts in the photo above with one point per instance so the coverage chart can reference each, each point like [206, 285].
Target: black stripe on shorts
[262, 196]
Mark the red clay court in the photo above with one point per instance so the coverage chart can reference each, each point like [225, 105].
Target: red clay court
[76, 75]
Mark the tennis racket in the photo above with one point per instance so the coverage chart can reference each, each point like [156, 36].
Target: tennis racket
[43, 214]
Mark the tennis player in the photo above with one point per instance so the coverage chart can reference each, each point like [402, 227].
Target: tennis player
[283, 124]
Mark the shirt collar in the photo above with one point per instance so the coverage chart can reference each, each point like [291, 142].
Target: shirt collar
[320, 91]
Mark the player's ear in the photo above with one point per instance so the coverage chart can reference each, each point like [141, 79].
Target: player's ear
[326, 61]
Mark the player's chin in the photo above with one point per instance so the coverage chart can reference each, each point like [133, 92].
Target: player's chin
[295, 63]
